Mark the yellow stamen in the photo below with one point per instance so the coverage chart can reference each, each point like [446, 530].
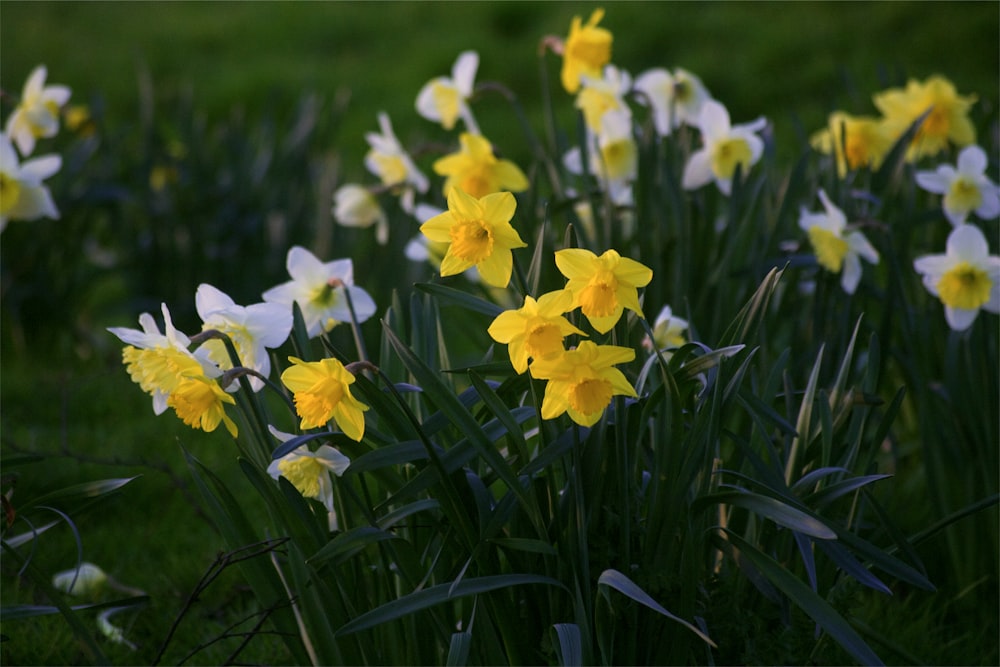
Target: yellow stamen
[471, 240]
[304, 474]
[729, 153]
[543, 339]
[964, 194]
[590, 395]
[965, 286]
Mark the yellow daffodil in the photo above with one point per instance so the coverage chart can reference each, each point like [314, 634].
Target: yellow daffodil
[725, 146]
[855, 141]
[965, 188]
[478, 233]
[37, 112]
[603, 286]
[390, 162]
[22, 194]
[582, 381]
[476, 171]
[444, 100]
[322, 391]
[199, 402]
[837, 250]
[356, 206]
[675, 99]
[586, 50]
[947, 114]
[252, 329]
[310, 471]
[668, 332]
[536, 329]
[966, 278]
[319, 290]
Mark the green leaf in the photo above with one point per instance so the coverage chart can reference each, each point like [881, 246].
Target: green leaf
[772, 508]
[350, 542]
[435, 595]
[17, 611]
[811, 603]
[804, 423]
[570, 646]
[458, 649]
[525, 544]
[93, 489]
[618, 581]
[450, 295]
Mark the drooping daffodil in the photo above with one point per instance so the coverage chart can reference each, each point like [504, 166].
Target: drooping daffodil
[446, 99]
[724, 147]
[668, 332]
[966, 278]
[603, 286]
[838, 249]
[23, 196]
[476, 171]
[37, 113]
[583, 381]
[309, 471]
[322, 291]
[355, 205]
[321, 391]
[536, 329]
[478, 233]
[966, 187]
[676, 99]
[252, 329]
[392, 164]
[585, 51]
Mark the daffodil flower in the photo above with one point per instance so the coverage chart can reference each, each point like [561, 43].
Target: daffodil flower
[200, 403]
[837, 250]
[966, 278]
[309, 471]
[322, 392]
[536, 329]
[22, 194]
[389, 161]
[586, 50]
[603, 287]
[598, 96]
[947, 112]
[965, 189]
[725, 146]
[444, 100]
[583, 381]
[476, 171]
[614, 157]
[356, 206]
[478, 233]
[319, 289]
[855, 141]
[37, 112]
[668, 332]
[252, 329]
[675, 99]
[86, 579]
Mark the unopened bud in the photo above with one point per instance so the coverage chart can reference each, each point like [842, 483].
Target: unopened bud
[83, 581]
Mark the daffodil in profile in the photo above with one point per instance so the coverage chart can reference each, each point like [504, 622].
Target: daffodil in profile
[536, 329]
[478, 233]
[37, 113]
[675, 98]
[947, 114]
[966, 187]
[668, 332]
[582, 381]
[446, 99]
[391, 163]
[603, 286]
[355, 205]
[252, 329]
[724, 147]
[476, 171]
[837, 249]
[200, 402]
[586, 50]
[966, 278]
[854, 141]
[309, 471]
[321, 289]
[321, 391]
[600, 95]
[23, 196]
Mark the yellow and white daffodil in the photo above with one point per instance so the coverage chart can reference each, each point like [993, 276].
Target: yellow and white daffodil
[837, 249]
[676, 99]
[965, 187]
[446, 99]
[309, 471]
[668, 332]
[599, 95]
[22, 194]
[392, 164]
[614, 157]
[724, 147]
[357, 206]
[37, 113]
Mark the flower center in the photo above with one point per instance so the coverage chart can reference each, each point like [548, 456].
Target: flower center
[964, 194]
[193, 400]
[316, 405]
[965, 286]
[158, 369]
[10, 192]
[542, 339]
[857, 151]
[830, 248]
[619, 159]
[447, 101]
[683, 91]
[391, 168]
[727, 154]
[590, 395]
[471, 240]
[304, 474]
[599, 298]
[936, 123]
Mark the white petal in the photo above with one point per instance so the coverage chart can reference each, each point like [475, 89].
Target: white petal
[698, 170]
[333, 459]
[967, 243]
[851, 274]
[305, 267]
[208, 299]
[269, 323]
[972, 160]
[860, 246]
[426, 104]
[342, 269]
[40, 168]
[713, 122]
[463, 74]
[35, 82]
[364, 305]
[990, 208]
[932, 181]
[9, 162]
[960, 319]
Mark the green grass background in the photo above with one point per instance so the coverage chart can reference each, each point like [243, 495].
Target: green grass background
[790, 61]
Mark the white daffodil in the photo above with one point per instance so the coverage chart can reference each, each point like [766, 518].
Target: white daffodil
[674, 98]
[356, 206]
[965, 189]
[668, 332]
[599, 96]
[614, 159]
[388, 160]
[309, 471]
[321, 290]
[837, 249]
[252, 329]
[444, 100]
[966, 278]
[37, 113]
[725, 146]
[22, 194]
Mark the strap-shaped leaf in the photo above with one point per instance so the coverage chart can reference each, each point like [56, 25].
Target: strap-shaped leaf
[570, 645]
[771, 508]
